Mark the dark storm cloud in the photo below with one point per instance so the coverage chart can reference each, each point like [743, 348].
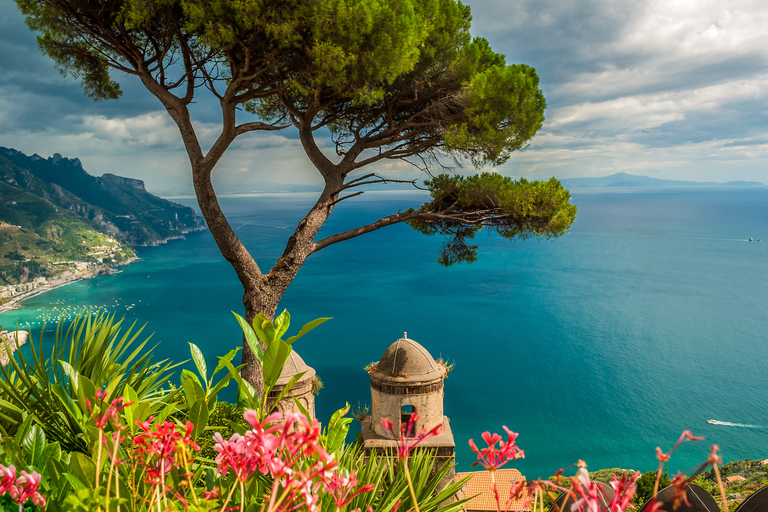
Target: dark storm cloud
[673, 87]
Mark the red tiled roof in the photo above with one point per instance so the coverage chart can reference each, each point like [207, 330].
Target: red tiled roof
[480, 484]
[735, 478]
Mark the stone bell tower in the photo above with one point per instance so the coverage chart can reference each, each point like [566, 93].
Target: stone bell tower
[407, 380]
[302, 390]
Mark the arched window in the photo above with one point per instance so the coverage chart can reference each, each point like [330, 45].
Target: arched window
[406, 412]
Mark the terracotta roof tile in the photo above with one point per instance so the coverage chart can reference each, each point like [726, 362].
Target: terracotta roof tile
[480, 484]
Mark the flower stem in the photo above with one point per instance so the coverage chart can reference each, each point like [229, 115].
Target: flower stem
[495, 492]
[186, 469]
[98, 458]
[410, 484]
[229, 497]
[242, 496]
[722, 487]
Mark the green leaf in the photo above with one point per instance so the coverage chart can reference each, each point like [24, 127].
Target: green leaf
[75, 482]
[51, 452]
[282, 323]
[251, 338]
[224, 382]
[307, 327]
[236, 427]
[34, 444]
[338, 426]
[229, 356]
[132, 399]
[274, 359]
[83, 468]
[164, 413]
[86, 390]
[199, 360]
[70, 406]
[71, 373]
[247, 395]
[198, 415]
[264, 328]
[300, 407]
[193, 390]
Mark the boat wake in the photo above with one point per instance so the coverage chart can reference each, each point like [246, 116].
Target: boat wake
[729, 424]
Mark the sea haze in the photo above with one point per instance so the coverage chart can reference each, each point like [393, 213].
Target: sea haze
[647, 319]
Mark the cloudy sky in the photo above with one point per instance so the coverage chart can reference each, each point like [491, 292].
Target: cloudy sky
[664, 88]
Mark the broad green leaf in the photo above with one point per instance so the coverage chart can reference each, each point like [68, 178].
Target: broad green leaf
[71, 373]
[193, 390]
[86, 390]
[75, 482]
[338, 426]
[224, 382]
[164, 414]
[236, 427]
[199, 360]
[83, 468]
[141, 412]
[251, 338]
[198, 415]
[34, 444]
[132, 399]
[247, 395]
[274, 359]
[51, 452]
[282, 323]
[264, 328]
[307, 327]
[229, 356]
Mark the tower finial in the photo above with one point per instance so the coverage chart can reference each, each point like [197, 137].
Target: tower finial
[405, 335]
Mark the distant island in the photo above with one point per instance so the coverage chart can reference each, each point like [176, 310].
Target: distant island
[626, 180]
[58, 223]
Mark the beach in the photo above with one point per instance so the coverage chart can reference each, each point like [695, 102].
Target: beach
[57, 282]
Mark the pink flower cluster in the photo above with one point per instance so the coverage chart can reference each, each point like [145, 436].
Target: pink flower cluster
[21, 488]
[161, 447]
[590, 493]
[408, 438]
[104, 416]
[491, 457]
[288, 448]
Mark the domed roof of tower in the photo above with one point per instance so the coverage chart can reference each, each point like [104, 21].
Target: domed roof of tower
[293, 365]
[406, 360]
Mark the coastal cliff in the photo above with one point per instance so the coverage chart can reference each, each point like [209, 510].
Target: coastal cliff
[114, 205]
[59, 224]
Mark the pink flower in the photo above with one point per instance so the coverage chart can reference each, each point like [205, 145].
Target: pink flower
[492, 458]
[159, 445]
[26, 489]
[587, 491]
[407, 439]
[7, 478]
[623, 492]
[102, 417]
[713, 457]
[340, 484]
[685, 436]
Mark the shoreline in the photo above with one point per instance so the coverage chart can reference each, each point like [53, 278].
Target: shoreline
[14, 303]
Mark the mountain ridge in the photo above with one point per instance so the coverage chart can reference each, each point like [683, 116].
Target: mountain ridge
[627, 180]
[113, 204]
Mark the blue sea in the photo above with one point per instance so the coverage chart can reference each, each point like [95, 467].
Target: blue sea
[649, 318]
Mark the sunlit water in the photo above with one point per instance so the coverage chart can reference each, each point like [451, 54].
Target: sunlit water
[649, 318]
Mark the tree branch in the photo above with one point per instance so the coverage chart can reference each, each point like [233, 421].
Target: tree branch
[389, 220]
[257, 125]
